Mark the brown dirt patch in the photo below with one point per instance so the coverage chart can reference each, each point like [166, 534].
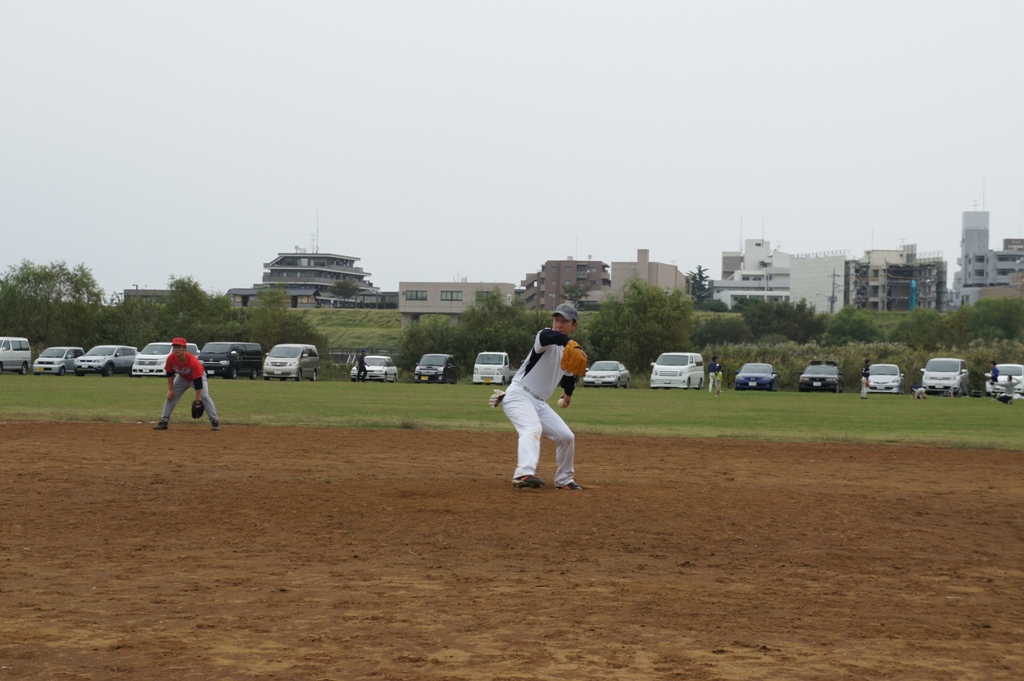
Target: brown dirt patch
[258, 553]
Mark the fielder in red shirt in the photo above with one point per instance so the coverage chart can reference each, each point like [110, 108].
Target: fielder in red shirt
[184, 369]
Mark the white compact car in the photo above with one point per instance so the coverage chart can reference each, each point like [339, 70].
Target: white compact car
[378, 368]
[606, 373]
[151, 361]
[1007, 373]
[946, 375]
[885, 378]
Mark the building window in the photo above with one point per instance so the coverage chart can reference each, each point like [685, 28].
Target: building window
[979, 273]
[415, 295]
[451, 295]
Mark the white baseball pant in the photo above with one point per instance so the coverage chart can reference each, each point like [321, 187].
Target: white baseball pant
[533, 417]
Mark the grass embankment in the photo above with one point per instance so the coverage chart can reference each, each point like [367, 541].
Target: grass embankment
[357, 328]
[809, 417]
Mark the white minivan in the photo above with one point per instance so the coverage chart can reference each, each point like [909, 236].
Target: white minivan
[492, 367]
[15, 354]
[678, 370]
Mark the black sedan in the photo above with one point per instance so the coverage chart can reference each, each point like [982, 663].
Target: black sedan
[757, 377]
[821, 376]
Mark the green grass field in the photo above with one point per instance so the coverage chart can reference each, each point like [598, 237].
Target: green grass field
[813, 417]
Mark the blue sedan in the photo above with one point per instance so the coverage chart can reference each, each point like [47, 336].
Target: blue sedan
[757, 377]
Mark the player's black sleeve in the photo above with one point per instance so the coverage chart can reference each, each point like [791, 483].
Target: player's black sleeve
[552, 337]
[568, 384]
[198, 383]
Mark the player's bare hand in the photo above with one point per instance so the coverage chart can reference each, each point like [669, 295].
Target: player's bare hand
[170, 395]
[564, 400]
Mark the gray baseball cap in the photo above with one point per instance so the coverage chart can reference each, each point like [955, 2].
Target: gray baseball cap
[567, 311]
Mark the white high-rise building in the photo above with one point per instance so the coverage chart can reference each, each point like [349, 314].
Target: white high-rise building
[980, 266]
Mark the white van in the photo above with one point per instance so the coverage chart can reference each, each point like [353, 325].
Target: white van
[15, 354]
[153, 358]
[678, 370]
[492, 367]
[946, 375]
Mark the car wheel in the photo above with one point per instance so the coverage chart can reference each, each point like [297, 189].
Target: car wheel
[266, 378]
[231, 373]
[775, 387]
[627, 384]
[61, 370]
[108, 371]
[1, 367]
[24, 368]
[298, 376]
[315, 374]
[77, 373]
[700, 384]
[254, 374]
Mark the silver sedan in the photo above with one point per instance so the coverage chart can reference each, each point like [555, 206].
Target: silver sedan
[606, 373]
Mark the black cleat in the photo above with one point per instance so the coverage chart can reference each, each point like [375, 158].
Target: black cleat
[570, 485]
[527, 481]
[161, 425]
[214, 425]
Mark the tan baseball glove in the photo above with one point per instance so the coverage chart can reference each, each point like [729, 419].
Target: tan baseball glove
[574, 360]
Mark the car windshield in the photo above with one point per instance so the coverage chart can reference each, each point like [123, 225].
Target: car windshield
[605, 366]
[279, 351]
[376, 361]
[820, 370]
[432, 360]
[489, 358]
[156, 349]
[1010, 369]
[884, 370]
[942, 365]
[101, 350]
[53, 352]
[673, 360]
[217, 348]
[756, 369]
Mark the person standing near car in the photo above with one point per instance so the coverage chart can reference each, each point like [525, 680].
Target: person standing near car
[183, 369]
[361, 367]
[865, 376]
[714, 371]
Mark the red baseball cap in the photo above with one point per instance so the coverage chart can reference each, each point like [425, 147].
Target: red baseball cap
[178, 341]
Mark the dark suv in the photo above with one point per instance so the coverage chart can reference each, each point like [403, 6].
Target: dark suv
[231, 359]
[821, 376]
[436, 369]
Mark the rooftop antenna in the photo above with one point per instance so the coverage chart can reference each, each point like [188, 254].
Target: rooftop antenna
[316, 235]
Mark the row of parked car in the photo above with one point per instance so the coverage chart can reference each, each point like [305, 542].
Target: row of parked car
[229, 359]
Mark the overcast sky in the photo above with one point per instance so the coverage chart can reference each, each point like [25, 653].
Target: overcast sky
[441, 140]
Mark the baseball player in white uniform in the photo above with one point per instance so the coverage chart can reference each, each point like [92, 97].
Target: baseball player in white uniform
[525, 403]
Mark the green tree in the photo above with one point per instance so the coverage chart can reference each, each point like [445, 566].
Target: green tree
[851, 325]
[345, 289]
[575, 293]
[922, 329]
[700, 287]
[645, 323]
[797, 322]
[998, 319]
[50, 304]
[431, 334]
[718, 329]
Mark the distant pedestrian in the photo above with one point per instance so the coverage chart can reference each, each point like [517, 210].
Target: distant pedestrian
[715, 376]
[361, 367]
[865, 377]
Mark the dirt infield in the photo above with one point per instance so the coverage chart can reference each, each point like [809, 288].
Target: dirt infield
[275, 553]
